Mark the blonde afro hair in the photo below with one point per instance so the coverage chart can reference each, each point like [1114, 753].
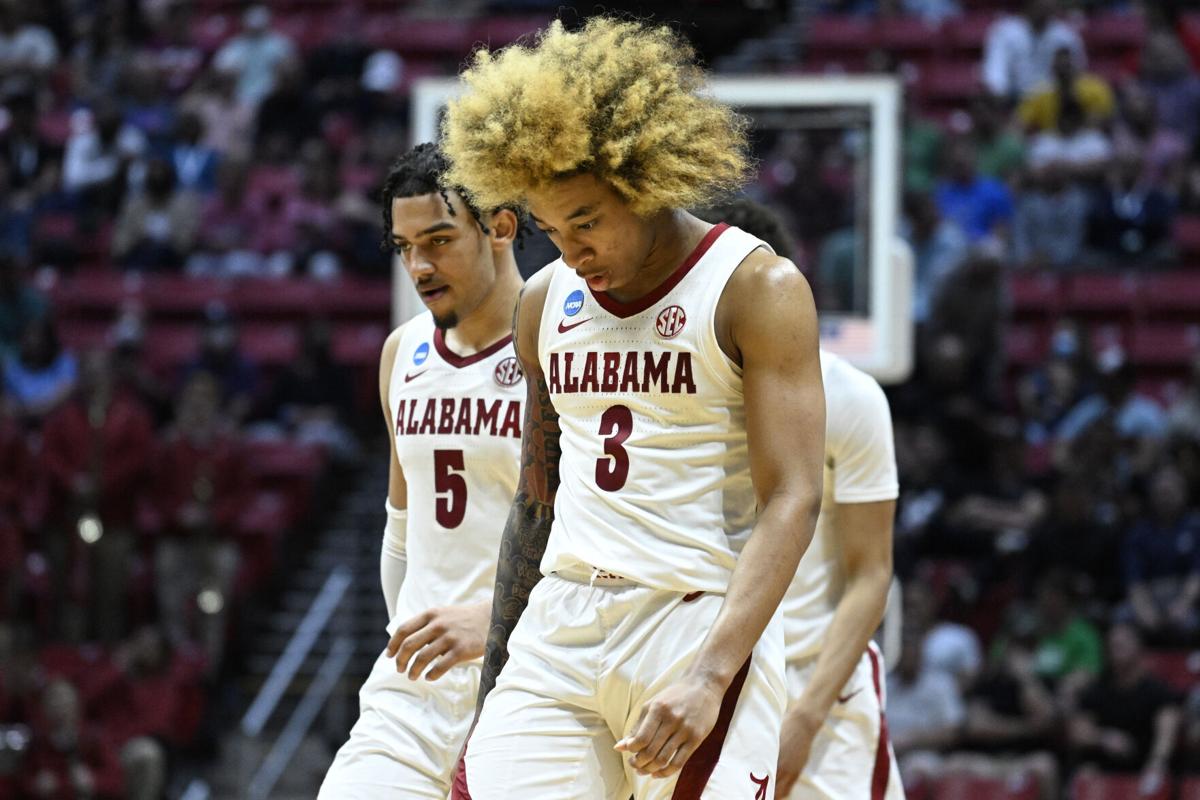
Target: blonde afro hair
[619, 100]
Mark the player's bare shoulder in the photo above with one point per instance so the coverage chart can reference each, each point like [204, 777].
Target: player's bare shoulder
[767, 298]
[387, 357]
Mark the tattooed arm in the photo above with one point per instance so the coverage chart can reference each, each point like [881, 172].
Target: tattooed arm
[528, 525]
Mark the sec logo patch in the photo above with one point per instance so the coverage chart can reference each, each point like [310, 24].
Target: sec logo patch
[508, 372]
[670, 322]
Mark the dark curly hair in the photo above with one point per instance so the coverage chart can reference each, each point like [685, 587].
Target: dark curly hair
[420, 171]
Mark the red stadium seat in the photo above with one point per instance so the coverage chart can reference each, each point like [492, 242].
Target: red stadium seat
[1178, 668]
[951, 83]
[497, 31]
[839, 32]
[55, 126]
[359, 298]
[908, 35]
[80, 336]
[968, 32]
[1114, 32]
[179, 295]
[1165, 344]
[209, 31]
[953, 786]
[1186, 234]
[358, 345]
[1171, 293]
[1035, 293]
[1097, 786]
[265, 181]
[293, 298]
[270, 344]
[449, 38]
[1025, 344]
[1116, 295]
[171, 346]
[1189, 789]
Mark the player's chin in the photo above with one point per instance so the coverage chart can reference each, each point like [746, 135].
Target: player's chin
[445, 319]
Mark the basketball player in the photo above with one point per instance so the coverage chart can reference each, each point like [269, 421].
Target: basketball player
[451, 393]
[834, 742]
[671, 464]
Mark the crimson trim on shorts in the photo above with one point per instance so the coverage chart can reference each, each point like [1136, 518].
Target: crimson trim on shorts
[457, 361]
[628, 309]
[883, 765]
[698, 769]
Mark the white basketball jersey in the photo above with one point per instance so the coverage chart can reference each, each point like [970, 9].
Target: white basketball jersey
[655, 472]
[458, 439]
[860, 467]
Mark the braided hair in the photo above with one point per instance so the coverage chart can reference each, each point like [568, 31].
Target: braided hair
[419, 171]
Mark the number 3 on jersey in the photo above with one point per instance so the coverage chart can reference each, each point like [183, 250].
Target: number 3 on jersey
[612, 469]
[450, 509]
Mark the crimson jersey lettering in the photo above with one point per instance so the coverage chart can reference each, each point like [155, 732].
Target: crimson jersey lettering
[643, 372]
[459, 416]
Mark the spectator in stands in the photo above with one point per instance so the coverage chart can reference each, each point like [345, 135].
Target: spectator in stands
[99, 155]
[221, 357]
[148, 697]
[335, 68]
[31, 161]
[1135, 416]
[176, 56]
[147, 106]
[921, 455]
[1040, 110]
[68, 758]
[1161, 560]
[948, 647]
[1172, 83]
[922, 150]
[20, 305]
[1183, 418]
[156, 229]
[1078, 536]
[1009, 724]
[318, 233]
[312, 398]
[199, 496]
[1000, 150]
[1019, 50]
[933, 12]
[41, 374]
[230, 227]
[27, 50]
[1137, 130]
[100, 51]
[286, 117]
[1051, 220]
[1047, 393]
[1064, 650]
[1076, 147]
[227, 121]
[127, 338]
[982, 207]
[256, 55]
[939, 248]
[1127, 720]
[1130, 222]
[924, 711]
[195, 163]
[96, 456]
[998, 507]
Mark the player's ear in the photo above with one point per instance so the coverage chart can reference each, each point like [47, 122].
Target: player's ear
[503, 226]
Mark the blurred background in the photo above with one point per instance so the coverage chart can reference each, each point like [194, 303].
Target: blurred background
[193, 299]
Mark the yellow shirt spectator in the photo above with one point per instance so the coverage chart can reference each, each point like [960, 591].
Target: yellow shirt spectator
[1039, 111]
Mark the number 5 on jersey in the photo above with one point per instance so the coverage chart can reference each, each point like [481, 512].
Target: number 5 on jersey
[450, 486]
[612, 469]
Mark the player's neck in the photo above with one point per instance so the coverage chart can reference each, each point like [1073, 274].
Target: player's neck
[676, 234]
[492, 320]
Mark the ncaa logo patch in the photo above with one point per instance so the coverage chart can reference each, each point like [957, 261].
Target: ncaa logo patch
[574, 303]
[508, 372]
[421, 354]
[670, 322]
